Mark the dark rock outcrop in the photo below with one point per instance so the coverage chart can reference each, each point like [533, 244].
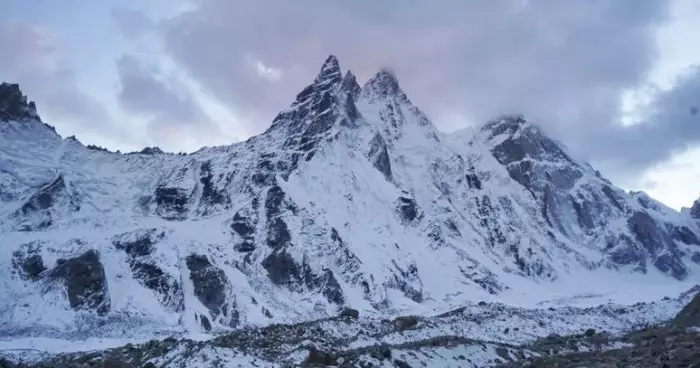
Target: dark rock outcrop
[278, 234]
[654, 238]
[318, 108]
[210, 286]
[171, 202]
[329, 286]
[243, 227]
[689, 316]
[165, 285]
[407, 281]
[284, 270]
[211, 195]
[350, 313]
[151, 151]
[14, 104]
[408, 208]
[281, 267]
[684, 234]
[696, 257]
[351, 86]
[405, 322]
[139, 245]
[473, 180]
[85, 281]
[28, 261]
[578, 203]
[648, 233]
[33, 266]
[379, 156]
[38, 210]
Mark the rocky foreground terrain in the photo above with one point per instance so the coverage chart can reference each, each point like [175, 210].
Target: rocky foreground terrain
[481, 335]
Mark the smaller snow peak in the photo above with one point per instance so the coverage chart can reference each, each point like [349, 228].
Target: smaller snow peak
[14, 104]
[384, 83]
[512, 139]
[330, 72]
[510, 124]
[350, 85]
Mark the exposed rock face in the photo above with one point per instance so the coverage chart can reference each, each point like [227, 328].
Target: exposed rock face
[284, 270]
[690, 315]
[351, 86]
[28, 261]
[211, 195]
[85, 281]
[139, 246]
[394, 109]
[684, 234]
[408, 208]
[281, 268]
[576, 202]
[33, 266]
[171, 202]
[278, 234]
[210, 286]
[526, 154]
[325, 103]
[151, 151]
[43, 207]
[379, 155]
[14, 105]
[243, 225]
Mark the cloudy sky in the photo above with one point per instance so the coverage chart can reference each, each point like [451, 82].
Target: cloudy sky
[615, 81]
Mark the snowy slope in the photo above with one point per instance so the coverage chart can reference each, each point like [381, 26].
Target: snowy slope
[350, 198]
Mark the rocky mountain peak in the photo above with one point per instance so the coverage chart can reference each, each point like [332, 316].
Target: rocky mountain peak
[14, 104]
[322, 105]
[515, 138]
[330, 72]
[383, 84]
[506, 124]
[351, 86]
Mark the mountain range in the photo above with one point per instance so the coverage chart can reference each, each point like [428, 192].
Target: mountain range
[350, 199]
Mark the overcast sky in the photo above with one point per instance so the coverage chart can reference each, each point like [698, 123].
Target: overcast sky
[614, 81]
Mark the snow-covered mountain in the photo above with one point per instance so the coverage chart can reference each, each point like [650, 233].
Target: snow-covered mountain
[350, 198]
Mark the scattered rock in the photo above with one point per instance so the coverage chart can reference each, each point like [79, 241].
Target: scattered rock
[350, 313]
[405, 322]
